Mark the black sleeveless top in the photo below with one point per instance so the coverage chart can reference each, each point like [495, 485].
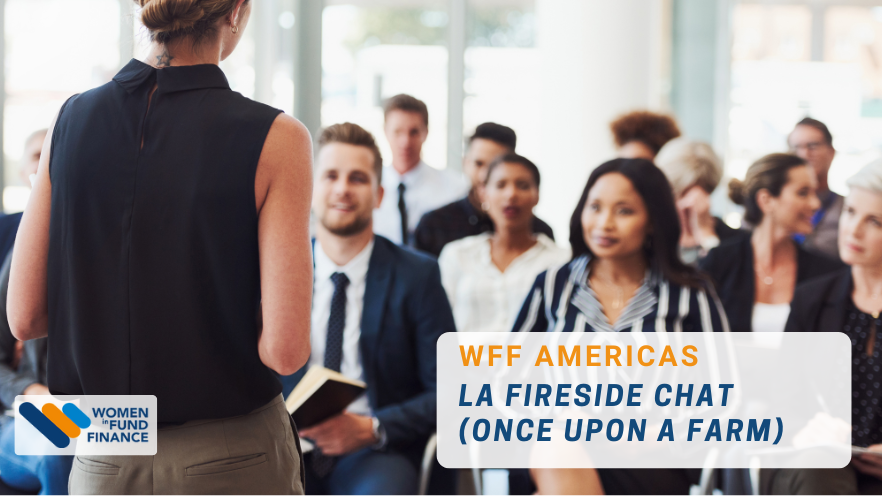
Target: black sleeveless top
[154, 283]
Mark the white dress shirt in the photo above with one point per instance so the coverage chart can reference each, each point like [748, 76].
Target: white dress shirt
[483, 298]
[426, 189]
[769, 317]
[323, 290]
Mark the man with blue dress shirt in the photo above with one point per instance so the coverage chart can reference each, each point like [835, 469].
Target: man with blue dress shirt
[412, 187]
[378, 311]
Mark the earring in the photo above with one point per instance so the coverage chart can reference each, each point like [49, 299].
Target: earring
[235, 29]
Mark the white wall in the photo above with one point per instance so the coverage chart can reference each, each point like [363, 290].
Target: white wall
[598, 59]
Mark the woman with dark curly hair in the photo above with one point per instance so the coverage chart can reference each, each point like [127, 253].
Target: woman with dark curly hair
[642, 134]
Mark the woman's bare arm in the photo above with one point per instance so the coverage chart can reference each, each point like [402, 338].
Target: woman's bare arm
[27, 302]
[283, 189]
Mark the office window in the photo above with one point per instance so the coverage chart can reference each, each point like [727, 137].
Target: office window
[776, 82]
[502, 77]
[374, 50]
[772, 32]
[54, 49]
[279, 54]
[771, 50]
[853, 42]
[854, 36]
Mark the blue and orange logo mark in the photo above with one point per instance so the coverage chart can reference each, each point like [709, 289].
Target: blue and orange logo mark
[59, 426]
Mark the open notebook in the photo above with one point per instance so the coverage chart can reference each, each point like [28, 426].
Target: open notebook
[321, 394]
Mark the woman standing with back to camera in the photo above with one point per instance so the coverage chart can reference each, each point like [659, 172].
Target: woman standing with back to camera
[165, 251]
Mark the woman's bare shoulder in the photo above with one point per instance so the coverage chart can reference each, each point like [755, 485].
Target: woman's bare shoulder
[288, 144]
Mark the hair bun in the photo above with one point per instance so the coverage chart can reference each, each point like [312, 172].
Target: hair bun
[170, 16]
[737, 191]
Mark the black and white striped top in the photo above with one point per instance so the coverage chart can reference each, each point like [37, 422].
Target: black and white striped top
[562, 301]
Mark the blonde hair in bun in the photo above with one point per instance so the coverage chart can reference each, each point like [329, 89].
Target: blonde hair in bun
[171, 19]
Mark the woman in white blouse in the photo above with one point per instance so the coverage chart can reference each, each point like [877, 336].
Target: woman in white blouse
[487, 277]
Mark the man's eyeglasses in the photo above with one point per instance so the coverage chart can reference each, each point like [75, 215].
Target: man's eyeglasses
[809, 147]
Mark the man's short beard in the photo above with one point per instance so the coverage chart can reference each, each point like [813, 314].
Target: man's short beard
[357, 226]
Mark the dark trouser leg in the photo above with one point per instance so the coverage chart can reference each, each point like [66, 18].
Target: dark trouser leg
[314, 483]
[809, 481]
[867, 484]
[373, 472]
[644, 481]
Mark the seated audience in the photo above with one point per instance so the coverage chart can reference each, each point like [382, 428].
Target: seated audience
[378, 311]
[642, 134]
[23, 365]
[755, 275]
[487, 276]
[625, 275]
[848, 301]
[811, 141]
[466, 217]
[23, 372]
[412, 187]
[694, 171]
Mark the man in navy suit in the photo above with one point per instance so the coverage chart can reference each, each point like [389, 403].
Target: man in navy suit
[378, 311]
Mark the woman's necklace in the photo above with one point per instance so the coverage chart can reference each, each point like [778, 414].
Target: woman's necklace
[875, 298]
[767, 279]
[619, 301]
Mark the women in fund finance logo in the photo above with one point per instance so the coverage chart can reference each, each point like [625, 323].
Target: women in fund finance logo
[58, 426]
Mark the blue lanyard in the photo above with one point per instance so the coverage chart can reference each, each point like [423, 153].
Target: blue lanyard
[816, 219]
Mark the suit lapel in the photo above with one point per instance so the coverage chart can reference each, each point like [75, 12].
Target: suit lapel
[379, 277]
[747, 287]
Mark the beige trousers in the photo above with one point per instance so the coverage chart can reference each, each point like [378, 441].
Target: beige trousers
[257, 453]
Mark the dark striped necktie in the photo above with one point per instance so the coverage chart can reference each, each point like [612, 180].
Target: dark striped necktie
[322, 464]
[402, 209]
[336, 323]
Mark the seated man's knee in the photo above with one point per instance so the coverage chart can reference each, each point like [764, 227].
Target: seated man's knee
[372, 472]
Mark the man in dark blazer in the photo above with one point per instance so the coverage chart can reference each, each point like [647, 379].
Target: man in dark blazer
[378, 311]
[465, 217]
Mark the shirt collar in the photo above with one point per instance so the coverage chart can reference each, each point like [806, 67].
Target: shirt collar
[171, 79]
[546, 242]
[355, 270]
[543, 243]
[582, 269]
[484, 244]
[410, 177]
[639, 305]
